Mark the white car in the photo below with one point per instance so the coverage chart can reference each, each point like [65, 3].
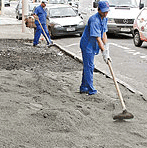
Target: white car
[120, 17]
[140, 28]
[64, 20]
[6, 3]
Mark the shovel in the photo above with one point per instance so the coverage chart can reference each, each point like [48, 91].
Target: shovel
[125, 114]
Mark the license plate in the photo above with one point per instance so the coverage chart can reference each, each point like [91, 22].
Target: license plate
[70, 29]
[125, 29]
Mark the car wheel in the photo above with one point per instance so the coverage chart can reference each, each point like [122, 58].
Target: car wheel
[137, 41]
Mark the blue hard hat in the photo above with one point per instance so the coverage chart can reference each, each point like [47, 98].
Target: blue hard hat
[104, 6]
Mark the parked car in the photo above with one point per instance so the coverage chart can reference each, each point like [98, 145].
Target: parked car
[64, 20]
[140, 28]
[120, 17]
[6, 3]
[18, 11]
[31, 5]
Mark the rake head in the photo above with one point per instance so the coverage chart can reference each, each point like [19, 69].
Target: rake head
[123, 115]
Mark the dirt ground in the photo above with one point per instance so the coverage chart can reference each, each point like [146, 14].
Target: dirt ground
[41, 106]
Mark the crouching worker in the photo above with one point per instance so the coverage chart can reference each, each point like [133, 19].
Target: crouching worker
[40, 14]
[93, 39]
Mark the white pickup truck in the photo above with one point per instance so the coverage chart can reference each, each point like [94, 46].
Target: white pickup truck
[120, 17]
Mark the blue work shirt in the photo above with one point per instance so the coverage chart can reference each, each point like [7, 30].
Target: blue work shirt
[95, 28]
[42, 14]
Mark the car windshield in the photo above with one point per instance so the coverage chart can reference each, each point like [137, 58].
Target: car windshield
[56, 1]
[122, 3]
[62, 12]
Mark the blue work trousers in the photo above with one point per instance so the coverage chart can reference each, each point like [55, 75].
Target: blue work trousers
[87, 76]
[38, 34]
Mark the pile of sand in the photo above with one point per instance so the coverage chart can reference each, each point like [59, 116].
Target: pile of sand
[41, 106]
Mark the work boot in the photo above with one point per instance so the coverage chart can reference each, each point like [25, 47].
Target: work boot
[50, 44]
[36, 45]
[93, 92]
[83, 90]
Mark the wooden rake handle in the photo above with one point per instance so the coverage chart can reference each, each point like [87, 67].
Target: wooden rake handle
[116, 85]
[43, 31]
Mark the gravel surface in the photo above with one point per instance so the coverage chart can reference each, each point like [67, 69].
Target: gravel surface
[41, 106]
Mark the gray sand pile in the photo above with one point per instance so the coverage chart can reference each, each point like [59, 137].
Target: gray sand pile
[41, 106]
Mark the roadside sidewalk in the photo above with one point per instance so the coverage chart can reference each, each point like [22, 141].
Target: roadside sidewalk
[11, 28]
[15, 32]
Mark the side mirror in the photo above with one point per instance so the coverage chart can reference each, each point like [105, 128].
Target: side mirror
[141, 6]
[95, 4]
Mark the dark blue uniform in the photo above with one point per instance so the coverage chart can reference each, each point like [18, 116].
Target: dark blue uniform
[89, 46]
[42, 14]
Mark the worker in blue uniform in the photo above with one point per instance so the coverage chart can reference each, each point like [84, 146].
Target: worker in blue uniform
[94, 38]
[40, 14]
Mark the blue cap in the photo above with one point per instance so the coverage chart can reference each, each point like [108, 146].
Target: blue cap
[104, 6]
[44, 1]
